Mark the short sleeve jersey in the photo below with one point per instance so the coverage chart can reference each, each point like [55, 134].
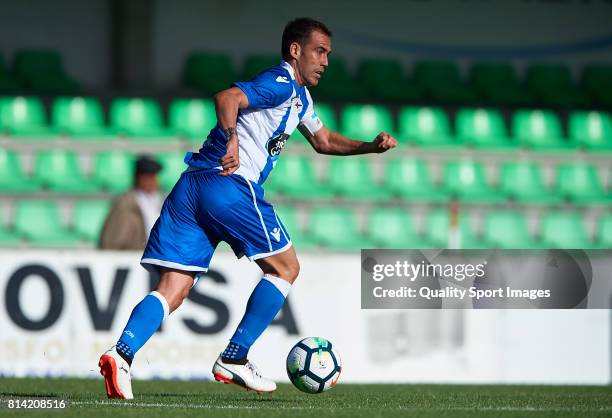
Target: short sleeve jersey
[277, 105]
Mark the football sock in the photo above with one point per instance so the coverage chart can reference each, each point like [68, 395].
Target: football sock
[145, 319]
[266, 300]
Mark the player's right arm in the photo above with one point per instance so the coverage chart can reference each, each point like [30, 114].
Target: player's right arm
[227, 104]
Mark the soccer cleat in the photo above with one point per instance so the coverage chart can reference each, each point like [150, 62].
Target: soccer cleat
[245, 375]
[116, 372]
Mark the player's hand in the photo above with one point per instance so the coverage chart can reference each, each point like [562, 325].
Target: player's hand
[384, 142]
[230, 161]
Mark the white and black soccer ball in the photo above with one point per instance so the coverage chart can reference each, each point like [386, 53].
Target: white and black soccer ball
[313, 365]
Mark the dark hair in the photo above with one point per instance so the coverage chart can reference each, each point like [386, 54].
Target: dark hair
[299, 30]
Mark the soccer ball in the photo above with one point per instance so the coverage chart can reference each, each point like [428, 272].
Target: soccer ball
[313, 365]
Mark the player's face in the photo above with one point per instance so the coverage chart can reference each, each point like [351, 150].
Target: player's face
[313, 58]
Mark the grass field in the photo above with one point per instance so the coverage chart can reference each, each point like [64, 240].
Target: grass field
[208, 399]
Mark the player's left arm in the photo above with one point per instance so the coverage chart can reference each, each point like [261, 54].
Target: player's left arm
[325, 141]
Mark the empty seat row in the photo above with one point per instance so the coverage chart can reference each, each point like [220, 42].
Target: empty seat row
[493, 82]
[40, 223]
[83, 118]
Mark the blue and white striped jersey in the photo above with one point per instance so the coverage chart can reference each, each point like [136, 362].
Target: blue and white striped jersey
[277, 105]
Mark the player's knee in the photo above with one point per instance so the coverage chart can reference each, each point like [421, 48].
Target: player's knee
[290, 272]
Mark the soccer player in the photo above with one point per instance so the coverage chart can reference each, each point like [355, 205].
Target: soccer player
[220, 198]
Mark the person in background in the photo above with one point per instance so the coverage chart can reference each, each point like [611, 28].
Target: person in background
[134, 213]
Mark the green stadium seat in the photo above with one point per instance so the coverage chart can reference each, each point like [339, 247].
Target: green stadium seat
[581, 184]
[427, 126]
[499, 84]
[295, 177]
[365, 122]
[597, 80]
[172, 167]
[353, 178]
[114, 171]
[337, 84]
[483, 128]
[12, 176]
[89, 217]
[59, 171]
[604, 232]
[43, 71]
[209, 72]
[40, 223]
[8, 83]
[255, 64]
[538, 129]
[552, 84]
[507, 230]
[336, 229]
[24, 117]
[384, 79]
[192, 118]
[410, 179]
[440, 81]
[80, 118]
[523, 181]
[564, 230]
[138, 118]
[466, 180]
[440, 235]
[392, 228]
[289, 218]
[591, 130]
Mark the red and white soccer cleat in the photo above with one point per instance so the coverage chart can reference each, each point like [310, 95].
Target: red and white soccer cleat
[245, 375]
[116, 372]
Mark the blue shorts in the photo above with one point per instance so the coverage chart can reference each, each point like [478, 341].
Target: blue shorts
[205, 208]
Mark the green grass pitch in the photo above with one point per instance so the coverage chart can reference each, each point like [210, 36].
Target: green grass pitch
[211, 399]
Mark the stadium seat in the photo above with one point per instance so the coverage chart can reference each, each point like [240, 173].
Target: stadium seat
[192, 118]
[255, 64]
[426, 126]
[392, 228]
[538, 129]
[440, 235]
[523, 181]
[365, 122]
[80, 118]
[289, 218]
[581, 184]
[410, 179]
[43, 71]
[552, 85]
[295, 177]
[8, 83]
[337, 84]
[466, 180]
[40, 223]
[138, 118]
[172, 167]
[591, 130]
[564, 230]
[597, 80]
[209, 72]
[24, 117]
[353, 178]
[384, 79]
[440, 81]
[483, 128]
[12, 176]
[60, 172]
[8, 238]
[604, 232]
[507, 230]
[114, 171]
[499, 84]
[89, 217]
[337, 229]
